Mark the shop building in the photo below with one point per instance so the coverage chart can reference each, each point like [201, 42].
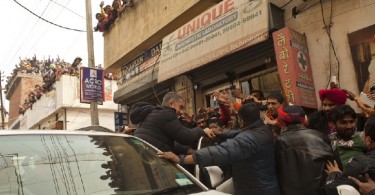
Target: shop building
[197, 47]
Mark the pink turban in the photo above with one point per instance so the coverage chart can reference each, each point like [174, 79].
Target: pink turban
[336, 96]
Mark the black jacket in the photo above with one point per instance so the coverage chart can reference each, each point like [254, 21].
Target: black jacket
[301, 155]
[357, 167]
[159, 126]
[251, 156]
[318, 121]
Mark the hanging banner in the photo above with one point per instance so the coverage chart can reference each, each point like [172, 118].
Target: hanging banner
[229, 26]
[91, 85]
[294, 67]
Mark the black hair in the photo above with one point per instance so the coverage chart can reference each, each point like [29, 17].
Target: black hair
[370, 127]
[278, 96]
[249, 113]
[199, 116]
[342, 111]
[260, 93]
[215, 120]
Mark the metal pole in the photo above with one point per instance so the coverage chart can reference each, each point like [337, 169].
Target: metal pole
[91, 59]
[1, 100]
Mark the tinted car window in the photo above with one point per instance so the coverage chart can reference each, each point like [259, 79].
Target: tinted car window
[77, 164]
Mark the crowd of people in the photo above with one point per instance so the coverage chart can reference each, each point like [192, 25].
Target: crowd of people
[109, 13]
[267, 145]
[50, 70]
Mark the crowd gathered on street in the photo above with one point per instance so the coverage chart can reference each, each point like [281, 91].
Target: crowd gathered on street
[267, 145]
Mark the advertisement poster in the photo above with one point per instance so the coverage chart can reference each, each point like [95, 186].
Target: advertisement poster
[294, 67]
[92, 85]
[362, 46]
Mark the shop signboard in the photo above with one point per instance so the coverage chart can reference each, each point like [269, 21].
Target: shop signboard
[229, 26]
[144, 61]
[294, 67]
[91, 85]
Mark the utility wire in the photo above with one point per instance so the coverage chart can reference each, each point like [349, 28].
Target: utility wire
[67, 28]
[30, 34]
[24, 24]
[45, 32]
[327, 28]
[67, 9]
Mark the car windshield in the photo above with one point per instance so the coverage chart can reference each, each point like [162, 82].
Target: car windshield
[79, 164]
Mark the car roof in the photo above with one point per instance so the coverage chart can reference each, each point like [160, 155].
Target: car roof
[60, 132]
[95, 128]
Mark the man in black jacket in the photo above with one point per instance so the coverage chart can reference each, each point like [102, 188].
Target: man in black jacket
[249, 152]
[301, 154]
[159, 125]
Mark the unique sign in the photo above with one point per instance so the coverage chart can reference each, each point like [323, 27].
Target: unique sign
[294, 67]
[141, 63]
[229, 26]
[92, 85]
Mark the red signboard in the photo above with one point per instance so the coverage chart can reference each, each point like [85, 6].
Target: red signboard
[294, 67]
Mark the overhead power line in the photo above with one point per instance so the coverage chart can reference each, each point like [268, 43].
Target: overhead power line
[48, 20]
[67, 9]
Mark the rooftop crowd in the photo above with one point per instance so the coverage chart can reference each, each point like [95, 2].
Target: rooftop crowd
[50, 70]
[267, 145]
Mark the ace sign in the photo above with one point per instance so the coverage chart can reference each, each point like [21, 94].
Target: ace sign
[92, 85]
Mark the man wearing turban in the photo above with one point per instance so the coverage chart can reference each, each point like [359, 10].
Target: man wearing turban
[307, 148]
[321, 120]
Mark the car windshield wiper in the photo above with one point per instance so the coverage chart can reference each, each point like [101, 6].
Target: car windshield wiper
[172, 189]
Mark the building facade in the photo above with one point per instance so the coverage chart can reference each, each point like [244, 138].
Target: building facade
[61, 108]
[197, 47]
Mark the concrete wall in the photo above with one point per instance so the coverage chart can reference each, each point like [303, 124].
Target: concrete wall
[347, 16]
[144, 25]
[76, 118]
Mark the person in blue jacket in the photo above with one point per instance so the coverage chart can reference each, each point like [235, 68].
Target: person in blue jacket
[249, 152]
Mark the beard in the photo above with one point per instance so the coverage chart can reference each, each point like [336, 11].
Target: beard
[346, 134]
[327, 114]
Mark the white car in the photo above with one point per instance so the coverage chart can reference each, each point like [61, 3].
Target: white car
[86, 162]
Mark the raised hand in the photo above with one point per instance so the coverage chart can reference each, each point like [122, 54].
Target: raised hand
[332, 167]
[209, 132]
[350, 94]
[365, 188]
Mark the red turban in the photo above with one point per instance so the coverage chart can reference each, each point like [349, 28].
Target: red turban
[336, 96]
[290, 115]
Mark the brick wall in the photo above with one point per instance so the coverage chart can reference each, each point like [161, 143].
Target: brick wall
[20, 93]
